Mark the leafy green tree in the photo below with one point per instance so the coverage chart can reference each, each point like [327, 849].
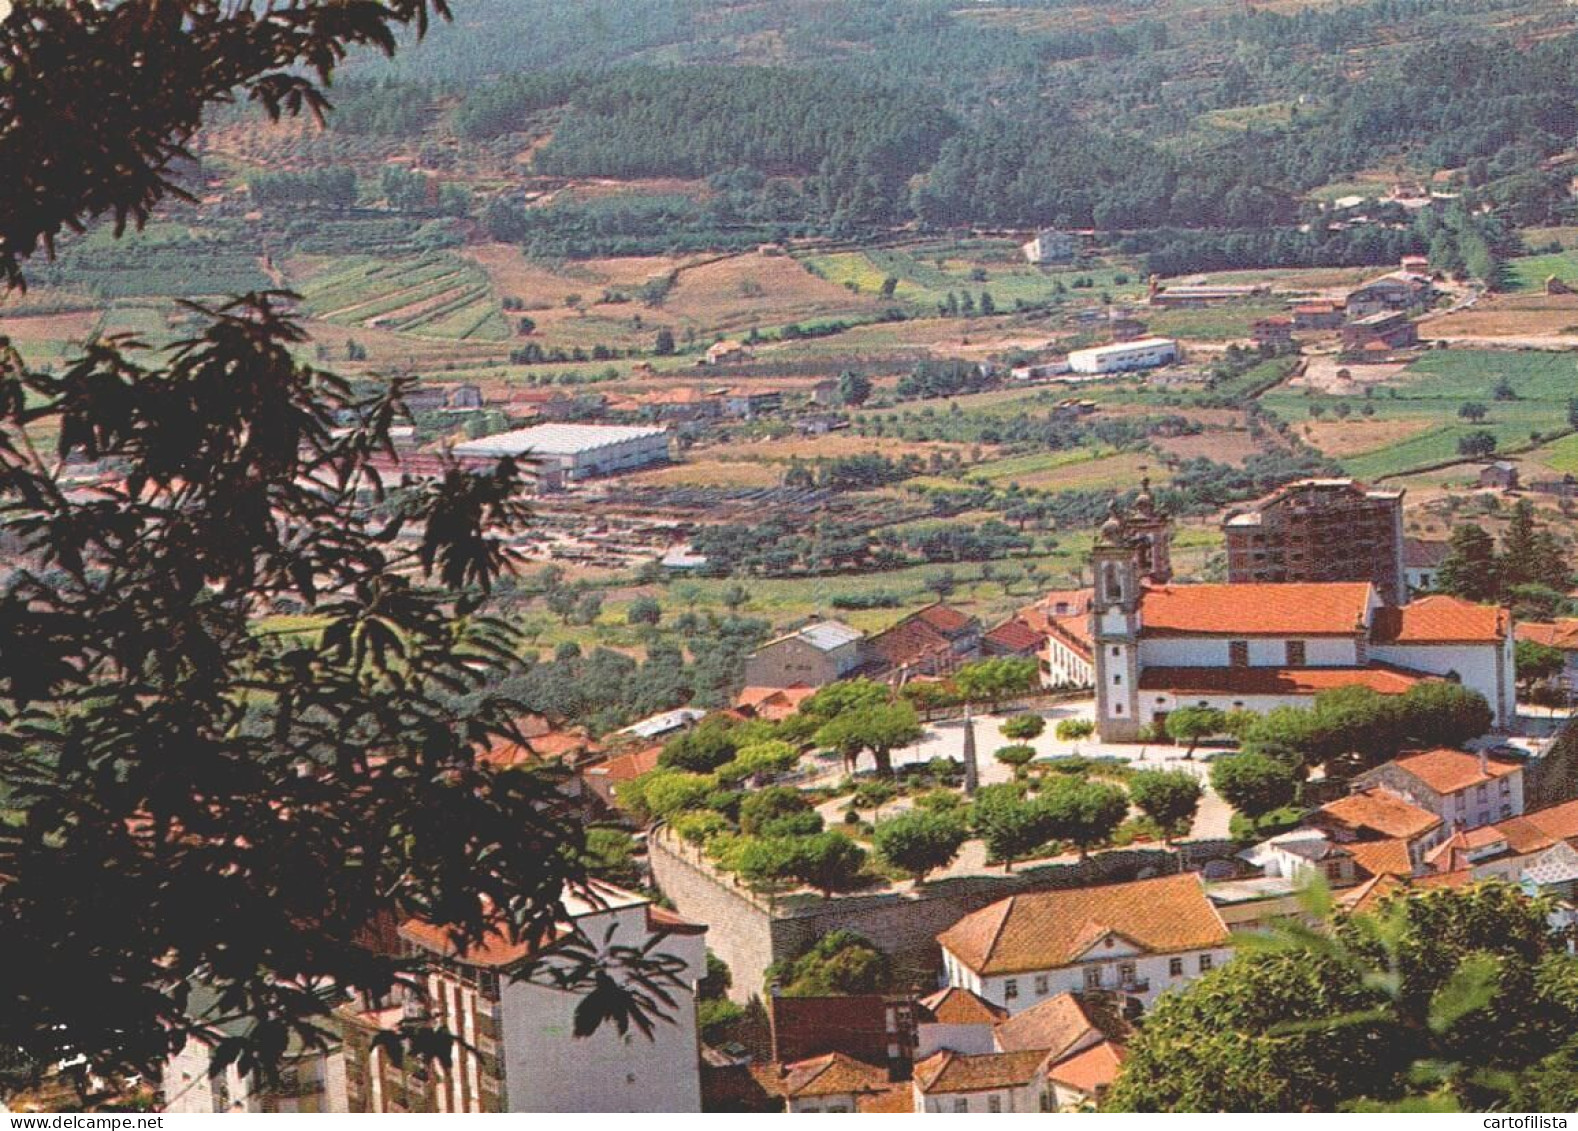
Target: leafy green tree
[1477, 444]
[771, 757]
[845, 695]
[1013, 829]
[1537, 663]
[829, 862]
[879, 729]
[1022, 727]
[644, 610]
[1447, 999]
[1017, 756]
[853, 388]
[839, 963]
[1470, 569]
[1443, 714]
[873, 794]
[663, 344]
[1071, 730]
[705, 747]
[1191, 724]
[993, 680]
[1171, 798]
[1084, 812]
[778, 810]
[767, 864]
[664, 793]
[920, 842]
[610, 855]
[1473, 412]
[1253, 783]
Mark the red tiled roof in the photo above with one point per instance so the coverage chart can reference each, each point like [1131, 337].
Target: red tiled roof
[948, 1071]
[1016, 636]
[773, 703]
[1541, 828]
[910, 641]
[1045, 930]
[1380, 812]
[945, 619]
[955, 1005]
[1090, 1070]
[495, 951]
[1275, 681]
[831, 1075]
[1383, 857]
[1561, 634]
[897, 1100]
[1054, 1026]
[1336, 608]
[627, 767]
[1440, 620]
[552, 746]
[1449, 771]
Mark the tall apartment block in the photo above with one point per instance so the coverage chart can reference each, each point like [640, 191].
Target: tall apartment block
[1322, 530]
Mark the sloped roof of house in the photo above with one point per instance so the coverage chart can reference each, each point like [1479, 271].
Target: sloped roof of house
[898, 1099]
[1335, 608]
[955, 1005]
[1449, 771]
[1383, 857]
[1382, 678]
[953, 1072]
[1541, 828]
[1561, 633]
[909, 642]
[1054, 1026]
[1440, 620]
[1015, 636]
[1045, 930]
[833, 1074]
[773, 703]
[1380, 812]
[1090, 1070]
[945, 619]
[1420, 554]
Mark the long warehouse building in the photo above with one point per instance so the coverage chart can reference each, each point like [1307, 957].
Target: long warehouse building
[575, 451]
[1147, 353]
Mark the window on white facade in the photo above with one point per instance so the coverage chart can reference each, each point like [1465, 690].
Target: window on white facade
[1506, 785]
[1175, 967]
[1093, 977]
[1117, 708]
[1010, 989]
[1295, 653]
[1205, 963]
[1126, 973]
[1506, 810]
[994, 1103]
[1042, 983]
[1117, 679]
[961, 1106]
[1238, 653]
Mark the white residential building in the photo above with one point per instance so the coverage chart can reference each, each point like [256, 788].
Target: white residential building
[1134, 940]
[519, 1051]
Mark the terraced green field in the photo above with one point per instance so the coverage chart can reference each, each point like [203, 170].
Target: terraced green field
[1434, 389]
[432, 296]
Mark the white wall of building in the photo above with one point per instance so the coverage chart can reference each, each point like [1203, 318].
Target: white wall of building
[1064, 667]
[1476, 666]
[1144, 354]
[1025, 1098]
[1017, 992]
[546, 1069]
[1264, 651]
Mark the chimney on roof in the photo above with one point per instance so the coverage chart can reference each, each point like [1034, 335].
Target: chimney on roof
[1484, 762]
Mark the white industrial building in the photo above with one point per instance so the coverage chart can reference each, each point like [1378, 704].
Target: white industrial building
[576, 451]
[1120, 357]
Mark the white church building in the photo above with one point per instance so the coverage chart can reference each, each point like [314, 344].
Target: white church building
[1159, 646]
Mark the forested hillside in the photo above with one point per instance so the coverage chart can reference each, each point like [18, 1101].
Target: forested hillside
[814, 117]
